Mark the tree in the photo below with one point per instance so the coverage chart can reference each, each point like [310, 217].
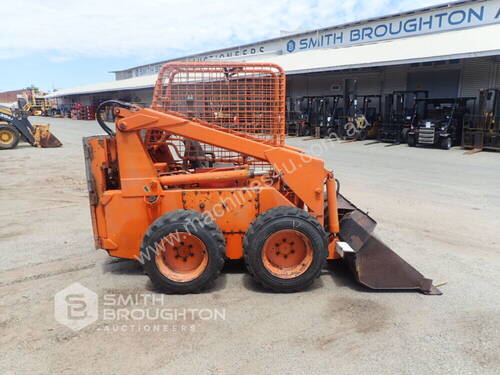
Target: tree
[33, 87]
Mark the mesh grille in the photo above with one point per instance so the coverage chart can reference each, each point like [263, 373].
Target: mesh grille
[242, 98]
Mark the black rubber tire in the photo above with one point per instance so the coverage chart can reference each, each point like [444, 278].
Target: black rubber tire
[404, 135]
[205, 229]
[15, 137]
[445, 143]
[331, 132]
[411, 141]
[349, 131]
[362, 135]
[273, 220]
[306, 131]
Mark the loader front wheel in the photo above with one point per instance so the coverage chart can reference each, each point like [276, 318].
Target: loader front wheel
[285, 249]
[183, 252]
[9, 137]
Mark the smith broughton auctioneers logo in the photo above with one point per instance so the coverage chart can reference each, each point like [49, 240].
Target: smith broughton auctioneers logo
[76, 307]
[290, 46]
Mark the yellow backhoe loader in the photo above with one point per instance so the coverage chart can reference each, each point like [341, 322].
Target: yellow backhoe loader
[14, 128]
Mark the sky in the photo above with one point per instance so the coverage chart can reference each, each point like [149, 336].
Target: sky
[67, 43]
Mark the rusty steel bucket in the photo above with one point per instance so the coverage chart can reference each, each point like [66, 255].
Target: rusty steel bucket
[375, 264]
[44, 138]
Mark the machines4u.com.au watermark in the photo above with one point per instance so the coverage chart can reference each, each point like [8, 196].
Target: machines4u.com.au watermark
[77, 307]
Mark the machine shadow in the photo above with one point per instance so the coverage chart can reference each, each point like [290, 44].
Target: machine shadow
[22, 145]
[118, 266]
[238, 267]
[338, 270]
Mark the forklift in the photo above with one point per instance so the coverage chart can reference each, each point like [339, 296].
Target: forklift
[318, 115]
[363, 117]
[482, 131]
[372, 111]
[306, 116]
[362, 113]
[292, 116]
[400, 113]
[328, 109]
[439, 122]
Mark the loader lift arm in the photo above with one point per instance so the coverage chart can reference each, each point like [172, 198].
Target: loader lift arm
[305, 184]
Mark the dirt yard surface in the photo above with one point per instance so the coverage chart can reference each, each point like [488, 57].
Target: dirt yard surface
[438, 209]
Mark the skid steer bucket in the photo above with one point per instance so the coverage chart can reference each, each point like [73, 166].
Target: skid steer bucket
[374, 264]
[44, 138]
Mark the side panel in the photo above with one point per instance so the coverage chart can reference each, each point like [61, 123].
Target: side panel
[233, 210]
[128, 218]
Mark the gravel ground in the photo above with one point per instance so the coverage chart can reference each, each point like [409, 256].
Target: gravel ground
[437, 209]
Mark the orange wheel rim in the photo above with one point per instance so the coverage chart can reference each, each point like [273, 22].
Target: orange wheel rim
[287, 254]
[181, 257]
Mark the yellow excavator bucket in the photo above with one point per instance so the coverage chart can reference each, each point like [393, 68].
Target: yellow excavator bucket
[44, 138]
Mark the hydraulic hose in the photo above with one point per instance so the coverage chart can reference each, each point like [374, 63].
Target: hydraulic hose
[117, 103]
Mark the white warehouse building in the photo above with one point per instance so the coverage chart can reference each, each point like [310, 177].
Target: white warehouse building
[450, 50]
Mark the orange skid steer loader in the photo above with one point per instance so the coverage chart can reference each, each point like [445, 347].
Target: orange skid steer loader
[205, 176]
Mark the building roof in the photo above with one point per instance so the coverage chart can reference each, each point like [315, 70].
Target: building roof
[318, 30]
[124, 84]
[458, 44]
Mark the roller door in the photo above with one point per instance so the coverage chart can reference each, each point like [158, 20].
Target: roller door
[475, 76]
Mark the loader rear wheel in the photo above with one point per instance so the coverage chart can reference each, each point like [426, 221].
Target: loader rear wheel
[183, 252]
[9, 137]
[285, 249]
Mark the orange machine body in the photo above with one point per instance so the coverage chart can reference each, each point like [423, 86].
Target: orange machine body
[213, 143]
[232, 197]
[236, 111]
